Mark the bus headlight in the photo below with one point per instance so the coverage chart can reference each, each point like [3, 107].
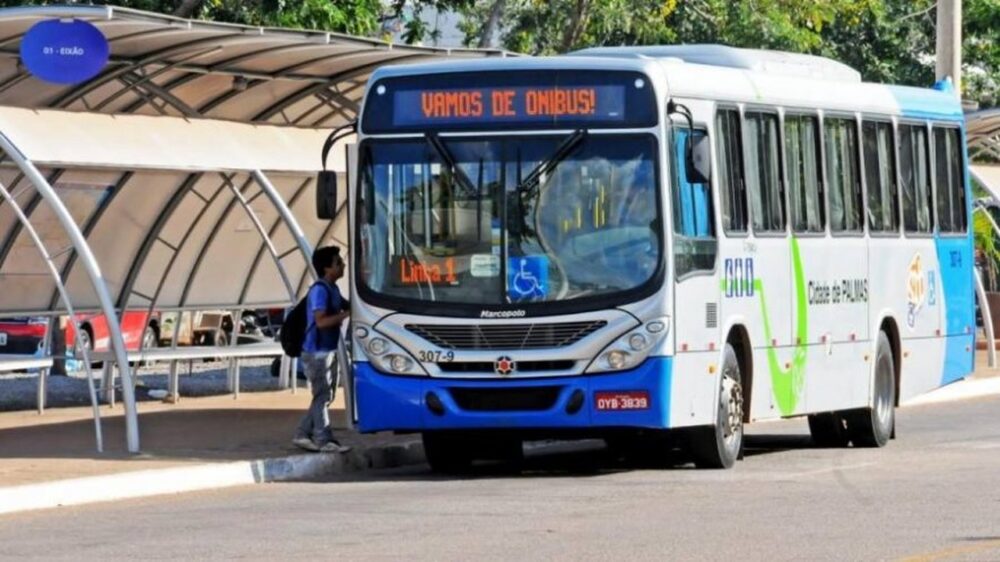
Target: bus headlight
[378, 346]
[617, 359]
[637, 342]
[400, 364]
[384, 354]
[632, 348]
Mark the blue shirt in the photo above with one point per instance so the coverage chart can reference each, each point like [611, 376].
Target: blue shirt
[325, 297]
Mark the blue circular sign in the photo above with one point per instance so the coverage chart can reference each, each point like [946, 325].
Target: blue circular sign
[64, 52]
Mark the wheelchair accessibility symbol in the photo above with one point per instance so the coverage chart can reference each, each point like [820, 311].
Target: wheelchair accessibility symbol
[528, 277]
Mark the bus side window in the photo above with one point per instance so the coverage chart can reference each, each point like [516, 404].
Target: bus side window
[802, 159]
[694, 240]
[915, 176]
[880, 176]
[764, 172]
[948, 175]
[730, 174]
[843, 178]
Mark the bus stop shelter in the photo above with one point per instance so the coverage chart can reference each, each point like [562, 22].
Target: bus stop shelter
[983, 130]
[181, 176]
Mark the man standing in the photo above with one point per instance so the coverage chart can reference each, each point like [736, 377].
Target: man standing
[323, 319]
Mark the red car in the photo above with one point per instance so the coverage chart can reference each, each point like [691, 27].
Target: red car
[22, 335]
[139, 329]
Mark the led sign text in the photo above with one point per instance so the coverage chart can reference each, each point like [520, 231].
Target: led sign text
[509, 104]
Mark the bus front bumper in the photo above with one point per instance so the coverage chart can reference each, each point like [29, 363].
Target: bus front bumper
[609, 400]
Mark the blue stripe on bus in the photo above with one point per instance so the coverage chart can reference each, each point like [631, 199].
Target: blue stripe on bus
[924, 103]
[393, 403]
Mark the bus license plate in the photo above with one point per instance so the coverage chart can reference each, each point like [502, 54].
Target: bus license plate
[624, 400]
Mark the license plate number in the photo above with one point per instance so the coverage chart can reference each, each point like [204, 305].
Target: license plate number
[624, 400]
[3, 338]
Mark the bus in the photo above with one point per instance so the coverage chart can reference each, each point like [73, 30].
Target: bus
[632, 243]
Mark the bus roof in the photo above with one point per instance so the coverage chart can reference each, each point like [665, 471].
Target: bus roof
[727, 74]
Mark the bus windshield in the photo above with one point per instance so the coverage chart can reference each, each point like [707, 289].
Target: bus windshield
[493, 221]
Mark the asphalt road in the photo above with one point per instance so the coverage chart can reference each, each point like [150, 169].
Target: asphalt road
[933, 494]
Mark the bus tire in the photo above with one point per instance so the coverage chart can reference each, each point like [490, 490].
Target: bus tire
[828, 430]
[720, 445]
[873, 426]
[446, 454]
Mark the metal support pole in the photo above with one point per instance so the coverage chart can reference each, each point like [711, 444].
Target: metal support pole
[234, 362]
[949, 42]
[173, 382]
[984, 308]
[43, 374]
[96, 278]
[61, 287]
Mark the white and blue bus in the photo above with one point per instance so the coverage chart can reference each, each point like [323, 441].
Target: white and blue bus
[632, 242]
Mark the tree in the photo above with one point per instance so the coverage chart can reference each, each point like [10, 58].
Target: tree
[885, 40]
[356, 17]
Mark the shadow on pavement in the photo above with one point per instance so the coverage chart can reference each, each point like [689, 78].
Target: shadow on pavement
[204, 434]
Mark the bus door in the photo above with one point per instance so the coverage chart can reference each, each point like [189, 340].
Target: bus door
[696, 294]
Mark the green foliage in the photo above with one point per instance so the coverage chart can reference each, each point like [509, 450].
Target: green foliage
[356, 17]
[886, 40]
[988, 246]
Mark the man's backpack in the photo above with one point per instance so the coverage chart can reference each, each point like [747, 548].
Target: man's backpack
[293, 330]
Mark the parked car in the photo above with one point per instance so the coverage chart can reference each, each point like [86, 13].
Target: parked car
[140, 330]
[22, 335]
[209, 328]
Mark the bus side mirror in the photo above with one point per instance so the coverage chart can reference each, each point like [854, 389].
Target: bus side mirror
[326, 195]
[699, 161]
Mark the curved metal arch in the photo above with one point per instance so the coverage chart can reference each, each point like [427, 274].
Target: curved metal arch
[92, 221]
[64, 294]
[270, 234]
[217, 67]
[180, 245]
[286, 214]
[152, 236]
[322, 121]
[96, 279]
[304, 93]
[326, 232]
[266, 241]
[227, 182]
[152, 89]
[147, 78]
[29, 209]
[224, 97]
[156, 57]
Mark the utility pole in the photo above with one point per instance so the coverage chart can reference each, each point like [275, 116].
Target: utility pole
[949, 42]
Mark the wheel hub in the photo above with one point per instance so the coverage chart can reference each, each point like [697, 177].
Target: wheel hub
[731, 406]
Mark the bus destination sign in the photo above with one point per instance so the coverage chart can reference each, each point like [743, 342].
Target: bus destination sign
[510, 99]
[521, 105]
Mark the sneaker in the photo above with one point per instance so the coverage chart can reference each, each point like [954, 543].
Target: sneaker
[334, 447]
[305, 443]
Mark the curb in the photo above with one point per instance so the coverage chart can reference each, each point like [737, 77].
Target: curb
[146, 483]
[212, 476]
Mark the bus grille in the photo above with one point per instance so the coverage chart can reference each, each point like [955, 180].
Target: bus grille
[522, 366]
[531, 399]
[505, 336]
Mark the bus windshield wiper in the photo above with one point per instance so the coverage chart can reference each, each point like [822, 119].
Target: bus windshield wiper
[562, 152]
[449, 160]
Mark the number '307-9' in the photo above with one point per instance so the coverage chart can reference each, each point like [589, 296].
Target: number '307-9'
[435, 356]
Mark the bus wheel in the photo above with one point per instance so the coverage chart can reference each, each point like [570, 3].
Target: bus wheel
[827, 430]
[719, 446]
[446, 453]
[873, 426]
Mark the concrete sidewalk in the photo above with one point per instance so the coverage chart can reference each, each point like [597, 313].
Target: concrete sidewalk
[197, 444]
[206, 443]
